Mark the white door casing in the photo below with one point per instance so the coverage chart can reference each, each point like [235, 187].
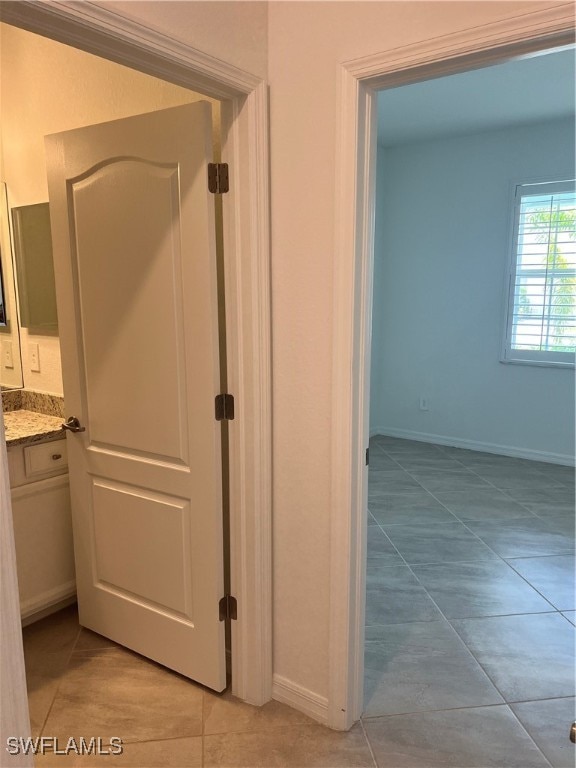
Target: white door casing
[360, 80]
[14, 715]
[135, 262]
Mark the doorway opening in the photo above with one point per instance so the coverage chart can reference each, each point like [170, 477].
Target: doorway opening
[245, 149]
[471, 477]
[362, 79]
[44, 530]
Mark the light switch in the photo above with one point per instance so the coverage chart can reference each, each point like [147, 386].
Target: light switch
[34, 357]
[7, 357]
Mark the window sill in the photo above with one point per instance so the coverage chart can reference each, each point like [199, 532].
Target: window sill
[540, 363]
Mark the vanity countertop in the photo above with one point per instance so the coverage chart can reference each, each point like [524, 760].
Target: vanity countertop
[25, 427]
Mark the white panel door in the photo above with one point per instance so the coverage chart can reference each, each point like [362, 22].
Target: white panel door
[135, 263]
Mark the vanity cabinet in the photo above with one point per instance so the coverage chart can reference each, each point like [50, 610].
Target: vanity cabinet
[42, 526]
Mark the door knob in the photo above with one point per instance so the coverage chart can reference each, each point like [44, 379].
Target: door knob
[73, 425]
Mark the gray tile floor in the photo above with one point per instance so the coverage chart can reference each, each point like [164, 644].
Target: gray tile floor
[469, 643]
[470, 608]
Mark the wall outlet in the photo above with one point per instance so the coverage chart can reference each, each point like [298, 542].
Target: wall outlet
[424, 404]
[7, 356]
[34, 353]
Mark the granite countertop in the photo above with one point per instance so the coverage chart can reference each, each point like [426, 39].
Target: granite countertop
[32, 417]
[31, 427]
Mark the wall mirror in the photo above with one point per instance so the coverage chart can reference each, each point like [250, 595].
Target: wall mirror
[10, 357]
[3, 314]
[34, 268]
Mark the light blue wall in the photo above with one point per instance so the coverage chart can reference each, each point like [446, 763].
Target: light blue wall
[442, 239]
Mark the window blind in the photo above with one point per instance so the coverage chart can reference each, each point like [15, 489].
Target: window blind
[542, 306]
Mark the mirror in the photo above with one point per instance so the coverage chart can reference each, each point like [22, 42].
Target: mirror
[34, 268]
[10, 358]
[3, 315]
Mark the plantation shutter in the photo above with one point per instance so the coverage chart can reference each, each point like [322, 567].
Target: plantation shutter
[542, 307]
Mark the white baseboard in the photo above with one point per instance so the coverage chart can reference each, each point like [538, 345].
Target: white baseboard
[476, 445]
[52, 600]
[308, 702]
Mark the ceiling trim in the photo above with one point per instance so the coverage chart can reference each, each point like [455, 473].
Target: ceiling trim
[92, 28]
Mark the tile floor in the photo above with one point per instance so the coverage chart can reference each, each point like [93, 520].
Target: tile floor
[470, 609]
[469, 641]
[80, 684]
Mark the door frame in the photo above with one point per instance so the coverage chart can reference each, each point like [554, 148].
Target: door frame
[515, 37]
[245, 147]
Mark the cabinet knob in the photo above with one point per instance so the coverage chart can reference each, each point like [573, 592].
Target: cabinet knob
[56, 456]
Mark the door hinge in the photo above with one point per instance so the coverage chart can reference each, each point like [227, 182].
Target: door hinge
[218, 182]
[367, 457]
[224, 407]
[228, 608]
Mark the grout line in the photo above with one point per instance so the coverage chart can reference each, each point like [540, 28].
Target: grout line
[504, 615]
[61, 676]
[562, 613]
[203, 732]
[527, 732]
[368, 743]
[270, 728]
[97, 651]
[203, 735]
[161, 738]
[444, 618]
[427, 711]
[525, 578]
[472, 706]
[540, 557]
[375, 558]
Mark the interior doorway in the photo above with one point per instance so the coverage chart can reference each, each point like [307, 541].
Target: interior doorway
[361, 81]
[471, 477]
[245, 149]
[43, 531]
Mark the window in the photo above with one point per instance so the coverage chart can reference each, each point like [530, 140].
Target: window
[541, 323]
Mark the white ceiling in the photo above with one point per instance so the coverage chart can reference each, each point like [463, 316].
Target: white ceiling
[523, 91]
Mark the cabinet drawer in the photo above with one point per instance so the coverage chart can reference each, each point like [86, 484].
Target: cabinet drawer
[45, 457]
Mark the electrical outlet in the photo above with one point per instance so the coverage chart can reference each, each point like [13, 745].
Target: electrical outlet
[7, 356]
[424, 404]
[34, 353]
